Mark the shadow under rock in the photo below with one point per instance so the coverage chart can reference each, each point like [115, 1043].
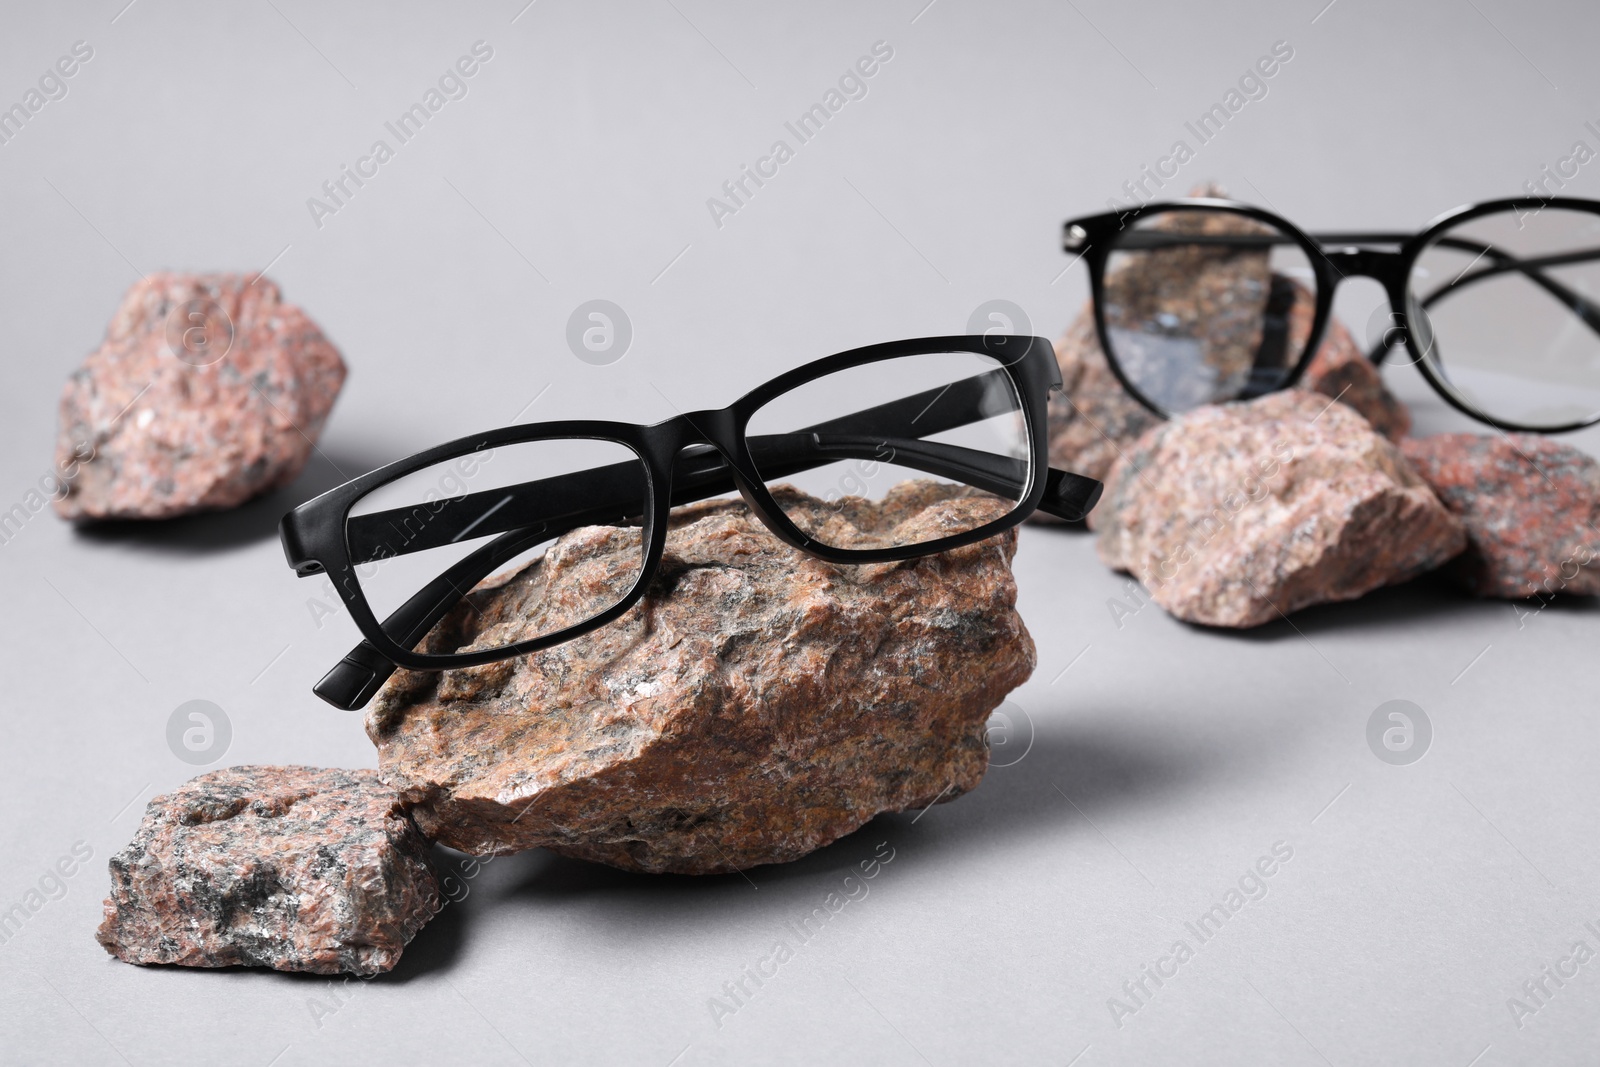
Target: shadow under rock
[1040, 521]
[252, 521]
[1396, 607]
[1064, 778]
[438, 944]
[1099, 771]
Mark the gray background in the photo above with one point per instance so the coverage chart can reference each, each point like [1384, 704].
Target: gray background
[1164, 760]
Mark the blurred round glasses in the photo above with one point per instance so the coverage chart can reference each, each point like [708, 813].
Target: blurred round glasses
[1204, 301]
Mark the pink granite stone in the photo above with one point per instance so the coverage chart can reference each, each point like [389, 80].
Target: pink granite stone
[293, 868]
[1531, 506]
[207, 390]
[1237, 514]
[759, 703]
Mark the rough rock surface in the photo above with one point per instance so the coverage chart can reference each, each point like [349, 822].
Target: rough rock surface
[756, 705]
[1093, 418]
[189, 407]
[294, 868]
[1235, 513]
[1531, 507]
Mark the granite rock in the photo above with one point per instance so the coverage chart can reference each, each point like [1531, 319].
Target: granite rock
[757, 704]
[207, 390]
[1530, 506]
[1235, 514]
[293, 868]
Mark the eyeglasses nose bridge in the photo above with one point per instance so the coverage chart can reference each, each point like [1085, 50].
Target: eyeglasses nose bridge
[1355, 262]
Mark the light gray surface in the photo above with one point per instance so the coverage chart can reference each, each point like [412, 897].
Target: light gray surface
[1166, 760]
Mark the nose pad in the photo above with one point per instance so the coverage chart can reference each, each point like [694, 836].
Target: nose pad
[1386, 331]
[1425, 343]
[701, 472]
[1364, 263]
[698, 461]
[1390, 332]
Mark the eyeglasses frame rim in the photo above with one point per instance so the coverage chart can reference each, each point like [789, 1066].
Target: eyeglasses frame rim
[1098, 243]
[314, 533]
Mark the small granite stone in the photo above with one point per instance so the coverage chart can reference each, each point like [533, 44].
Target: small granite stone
[207, 390]
[1235, 514]
[1530, 505]
[293, 868]
[757, 704]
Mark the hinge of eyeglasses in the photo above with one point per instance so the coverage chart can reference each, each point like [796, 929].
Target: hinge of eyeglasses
[1073, 238]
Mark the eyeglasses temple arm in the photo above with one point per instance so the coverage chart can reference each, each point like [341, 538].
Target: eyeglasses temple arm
[1581, 306]
[1067, 496]
[1503, 262]
[571, 499]
[357, 677]
[1576, 302]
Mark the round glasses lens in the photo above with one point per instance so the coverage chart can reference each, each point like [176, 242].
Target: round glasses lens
[1206, 306]
[1505, 310]
[514, 542]
[898, 452]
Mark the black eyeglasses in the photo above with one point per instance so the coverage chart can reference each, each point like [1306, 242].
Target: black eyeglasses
[411, 541]
[1203, 301]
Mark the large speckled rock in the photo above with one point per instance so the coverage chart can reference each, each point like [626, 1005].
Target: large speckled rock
[207, 390]
[1093, 419]
[1235, 513]
[758, 704]
[294, 868]
[1530, 506]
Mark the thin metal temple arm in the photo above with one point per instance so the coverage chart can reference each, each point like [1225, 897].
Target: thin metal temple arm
[1146, 239]
[1579, 304]
[1362, 237]
[1503, 263]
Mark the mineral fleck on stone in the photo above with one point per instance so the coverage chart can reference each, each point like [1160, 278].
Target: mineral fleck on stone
[207, 390]
[1234, 514]
[294, 868]
[1531, 506]
[756, 705]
